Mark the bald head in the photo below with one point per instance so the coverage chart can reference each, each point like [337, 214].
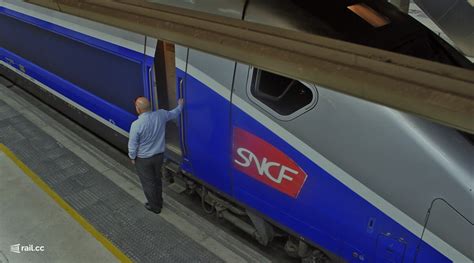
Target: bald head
[142, 105]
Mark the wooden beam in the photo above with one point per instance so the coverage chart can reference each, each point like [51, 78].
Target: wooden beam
[442, 93]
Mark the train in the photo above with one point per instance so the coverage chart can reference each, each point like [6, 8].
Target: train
[339, 179]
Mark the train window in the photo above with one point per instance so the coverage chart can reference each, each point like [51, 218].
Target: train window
[284, 96]
[94, 70]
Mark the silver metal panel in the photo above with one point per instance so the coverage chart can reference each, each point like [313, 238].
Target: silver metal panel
[217, 68]
[241, 78]
[285, 14]
[403, 5]
[151, 46]
[443, 219]
[228, 8]
[406, 160]
[181, 53]
[455, 18]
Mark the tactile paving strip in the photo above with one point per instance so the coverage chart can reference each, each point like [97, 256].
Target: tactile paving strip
[141, 235]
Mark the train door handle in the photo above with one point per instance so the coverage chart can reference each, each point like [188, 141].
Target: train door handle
[181, 81]
[181, 124]
[150, 86]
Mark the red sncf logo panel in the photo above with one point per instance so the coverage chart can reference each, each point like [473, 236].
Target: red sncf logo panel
[267, 164]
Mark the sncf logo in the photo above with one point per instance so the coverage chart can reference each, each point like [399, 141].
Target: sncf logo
[263, 167]
[264, 162]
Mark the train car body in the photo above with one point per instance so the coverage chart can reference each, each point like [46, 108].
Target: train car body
[362, 182]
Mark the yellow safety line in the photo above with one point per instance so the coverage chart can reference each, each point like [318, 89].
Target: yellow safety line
[74, 214]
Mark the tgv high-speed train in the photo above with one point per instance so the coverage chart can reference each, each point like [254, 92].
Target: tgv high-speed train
[337, 177]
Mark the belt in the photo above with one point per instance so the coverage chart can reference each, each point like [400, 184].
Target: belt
[150, 156]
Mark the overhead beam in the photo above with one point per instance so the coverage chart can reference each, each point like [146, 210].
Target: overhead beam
[442, 93]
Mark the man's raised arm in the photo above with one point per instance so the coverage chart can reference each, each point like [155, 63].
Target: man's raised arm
[174, 113]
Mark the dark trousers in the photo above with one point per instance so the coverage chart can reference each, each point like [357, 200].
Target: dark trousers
[149, 172]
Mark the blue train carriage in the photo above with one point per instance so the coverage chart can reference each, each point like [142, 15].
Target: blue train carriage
[346, 179]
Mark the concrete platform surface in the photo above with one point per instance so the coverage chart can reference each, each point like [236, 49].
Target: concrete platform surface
[32, 219]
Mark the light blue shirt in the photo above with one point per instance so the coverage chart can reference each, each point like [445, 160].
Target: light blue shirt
[147, 134]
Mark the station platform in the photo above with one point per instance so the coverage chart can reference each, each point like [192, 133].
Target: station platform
[40, 222]
[59, 191]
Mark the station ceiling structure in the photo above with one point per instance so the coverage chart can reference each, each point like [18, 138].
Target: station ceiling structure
[455, 18]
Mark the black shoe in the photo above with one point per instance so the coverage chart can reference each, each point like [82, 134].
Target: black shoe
[148, 207]
[148, 204]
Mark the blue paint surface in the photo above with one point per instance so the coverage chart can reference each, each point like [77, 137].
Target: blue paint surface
[208, 134]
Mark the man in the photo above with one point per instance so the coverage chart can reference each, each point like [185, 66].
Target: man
[146, 146]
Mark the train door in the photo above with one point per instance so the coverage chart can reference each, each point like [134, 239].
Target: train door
[168, 67]
[451, 224]
[206, 90]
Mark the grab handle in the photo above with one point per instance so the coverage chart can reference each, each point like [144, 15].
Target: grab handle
[181, 119]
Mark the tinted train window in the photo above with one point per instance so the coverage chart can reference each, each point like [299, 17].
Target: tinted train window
[283, 95]
[113, 78]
